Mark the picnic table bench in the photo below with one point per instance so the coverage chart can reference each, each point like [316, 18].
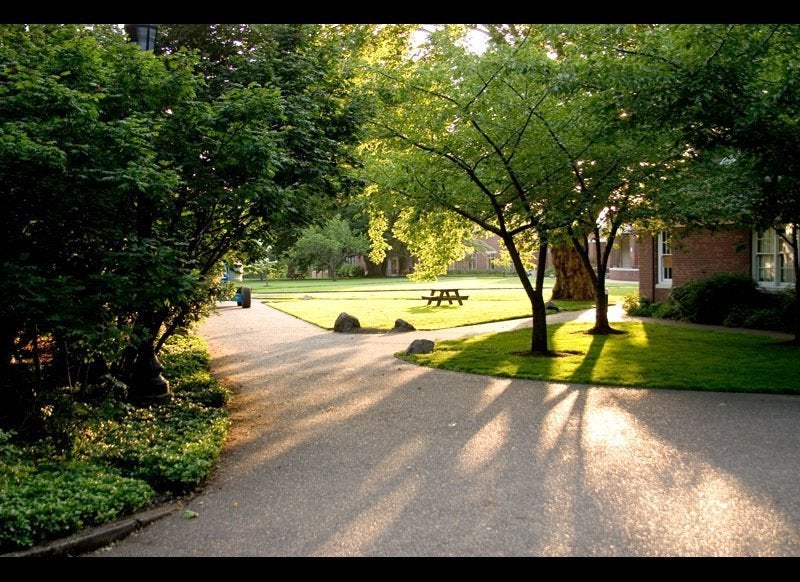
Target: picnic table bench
[449, 295]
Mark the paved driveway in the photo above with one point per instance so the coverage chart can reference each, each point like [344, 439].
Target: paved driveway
[339, 449]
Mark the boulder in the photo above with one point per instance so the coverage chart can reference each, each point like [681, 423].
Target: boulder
[403, 325]
[551, 306]
[346, 323]
[420, 346]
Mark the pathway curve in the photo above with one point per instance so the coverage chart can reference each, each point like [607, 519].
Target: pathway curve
[339, 449]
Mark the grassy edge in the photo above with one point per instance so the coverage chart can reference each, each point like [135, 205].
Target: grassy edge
[694, 359]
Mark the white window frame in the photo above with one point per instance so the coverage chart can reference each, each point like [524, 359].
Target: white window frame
[778, 259]
[664, 253]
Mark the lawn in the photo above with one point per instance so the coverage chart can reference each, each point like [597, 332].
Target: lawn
[378, 303]
[647, 355]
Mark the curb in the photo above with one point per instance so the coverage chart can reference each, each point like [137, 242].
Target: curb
[98, 537]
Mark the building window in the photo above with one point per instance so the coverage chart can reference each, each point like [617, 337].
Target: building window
[773, 260]
[491, 256]
[664, 260]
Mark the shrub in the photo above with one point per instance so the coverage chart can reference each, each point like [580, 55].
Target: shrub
[644, 307]
[736, 316]
[764, 318]
[186, 365]
[183, 355]
[786, 304]
[203, 389]
[710, 300]
[634, 305]
[172, 447]
[666, 310]
[348, 271]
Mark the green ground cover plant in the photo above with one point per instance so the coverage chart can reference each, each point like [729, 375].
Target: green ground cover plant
[122, 458]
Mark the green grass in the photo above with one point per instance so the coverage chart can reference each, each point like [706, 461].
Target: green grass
[647, 355]
[378, 303]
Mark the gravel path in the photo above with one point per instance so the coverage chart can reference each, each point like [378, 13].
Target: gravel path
[339, 449]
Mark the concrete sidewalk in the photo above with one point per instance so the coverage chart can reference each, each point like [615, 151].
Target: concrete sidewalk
[339, 449]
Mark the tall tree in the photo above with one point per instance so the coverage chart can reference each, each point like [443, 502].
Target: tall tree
[131, 175]
[460, 142]
[615, 155]
[320, 115]
[538, 133]
[80, 178]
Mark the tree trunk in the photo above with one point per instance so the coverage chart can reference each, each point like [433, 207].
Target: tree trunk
[601, 325]
[597, 278]
[539, 331]
[149, 386]
[539, 312]
[797, 306]
[572, 280]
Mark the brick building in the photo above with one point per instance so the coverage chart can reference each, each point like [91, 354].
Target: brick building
[669, 260]
[483, 259]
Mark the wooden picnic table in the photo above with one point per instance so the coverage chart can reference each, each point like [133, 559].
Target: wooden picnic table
[449, 295]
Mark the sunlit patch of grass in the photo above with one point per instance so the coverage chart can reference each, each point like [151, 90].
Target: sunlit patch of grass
[378, 303]
[646, 355]
[382, 313]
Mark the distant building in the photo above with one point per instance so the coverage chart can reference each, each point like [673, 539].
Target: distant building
[623, 262]
[483, 259]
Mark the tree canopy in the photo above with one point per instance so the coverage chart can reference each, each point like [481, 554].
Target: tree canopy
[460, 142]
[128, 176]
[732, 91]
[327, 247]
[535, 138]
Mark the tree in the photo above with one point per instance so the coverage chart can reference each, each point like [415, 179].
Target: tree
[615, 153]
[459, 142]
[79, 177]
[265, 139]
[536, 137]
[328, 246]
[267, 268]
[130, 175]
[734, 93]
